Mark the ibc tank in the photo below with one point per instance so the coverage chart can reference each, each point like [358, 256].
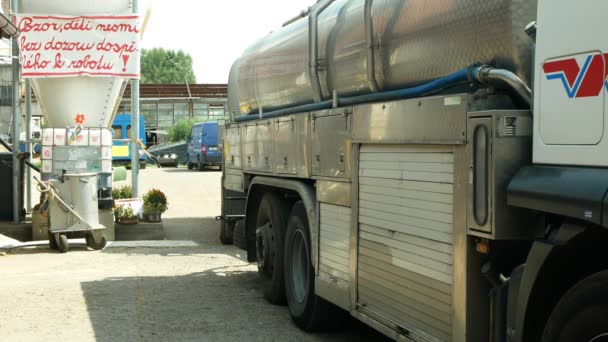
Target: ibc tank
[420, 40]
[60, 98]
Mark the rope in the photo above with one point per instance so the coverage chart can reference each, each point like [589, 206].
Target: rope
[49, 192]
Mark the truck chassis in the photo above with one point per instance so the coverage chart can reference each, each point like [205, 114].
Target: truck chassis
[398, 213]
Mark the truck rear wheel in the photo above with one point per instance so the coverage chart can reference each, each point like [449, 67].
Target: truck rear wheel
[270, 234]
[582, 313]
[309, 311]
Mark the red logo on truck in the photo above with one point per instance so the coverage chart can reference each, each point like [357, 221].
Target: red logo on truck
[587, 81]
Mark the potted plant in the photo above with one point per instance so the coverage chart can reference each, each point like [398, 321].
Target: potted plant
[125, 215]
[155, 203]
[124, 192]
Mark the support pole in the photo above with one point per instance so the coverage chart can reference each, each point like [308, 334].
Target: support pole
[30, 150]
[16, 123]
[135, 127]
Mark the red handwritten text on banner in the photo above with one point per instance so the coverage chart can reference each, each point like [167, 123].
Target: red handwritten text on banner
[60, 46]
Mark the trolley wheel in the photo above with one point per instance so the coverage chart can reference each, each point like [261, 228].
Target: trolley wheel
[52, 241]
[62, 243]
[94, 242]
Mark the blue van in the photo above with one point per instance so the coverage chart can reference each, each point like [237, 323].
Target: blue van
[121, 151]
[205, 148]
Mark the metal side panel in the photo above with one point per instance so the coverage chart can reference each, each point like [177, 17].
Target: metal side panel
[232, 148]
[433, 120]
[331, 144]
[334, 253]
[302, 138]
[258, 146]
[265, 142]
[285, 146]
[406, 222]
[234, 180]
[249, 134]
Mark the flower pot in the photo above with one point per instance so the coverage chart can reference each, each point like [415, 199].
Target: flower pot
[154, 217]
[129, 220]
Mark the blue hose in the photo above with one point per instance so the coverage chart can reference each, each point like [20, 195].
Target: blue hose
[421, 90]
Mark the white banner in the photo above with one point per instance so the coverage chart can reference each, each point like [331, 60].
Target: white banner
[63, 46]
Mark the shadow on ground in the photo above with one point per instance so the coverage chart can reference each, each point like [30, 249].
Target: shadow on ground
[220, 304]
[198, 229]
[185, 170]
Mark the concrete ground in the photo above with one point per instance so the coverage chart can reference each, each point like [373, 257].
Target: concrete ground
[204, 293]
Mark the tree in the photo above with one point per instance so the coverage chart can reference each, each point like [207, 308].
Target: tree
[182, 130]
[166, 66]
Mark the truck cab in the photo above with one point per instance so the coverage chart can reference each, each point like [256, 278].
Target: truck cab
[204, 148]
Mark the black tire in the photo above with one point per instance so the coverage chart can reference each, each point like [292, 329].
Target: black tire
[200, 166]
[52, 241]
[143, 165]
[309, 311]
[270, 233]
[62, 243]
[582, 313]
[96, 243]
[238, 236]
[190, 166]
[226, 232]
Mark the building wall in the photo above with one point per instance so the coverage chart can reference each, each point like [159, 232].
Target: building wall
[161, 114]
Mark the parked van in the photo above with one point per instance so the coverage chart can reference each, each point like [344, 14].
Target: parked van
[205, 147]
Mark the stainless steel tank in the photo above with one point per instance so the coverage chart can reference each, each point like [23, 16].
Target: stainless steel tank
[418, 41]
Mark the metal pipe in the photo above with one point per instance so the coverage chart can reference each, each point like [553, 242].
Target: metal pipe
[483, 75]
[302, 14]
[487, 75]
[369, 37]
[421, 90]
[313, 47]
[16, 122]
[135, 127]
[28, 137]
[8, 148]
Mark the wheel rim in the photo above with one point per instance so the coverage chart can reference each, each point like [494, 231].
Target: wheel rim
[263, 248]
[299, 267]
[600, 338]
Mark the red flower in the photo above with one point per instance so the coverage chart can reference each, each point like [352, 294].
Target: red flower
[79, 119]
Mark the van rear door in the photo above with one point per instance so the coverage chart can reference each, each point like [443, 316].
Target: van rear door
[210, 140]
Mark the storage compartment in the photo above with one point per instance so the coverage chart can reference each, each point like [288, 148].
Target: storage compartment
[232, 148]
[285, 145]
[331, 143]
[406, 225]
[499, 144]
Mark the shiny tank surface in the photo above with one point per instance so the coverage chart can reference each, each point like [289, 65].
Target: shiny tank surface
[61, 98]
[415, 41]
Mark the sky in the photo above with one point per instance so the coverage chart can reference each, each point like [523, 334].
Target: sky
[215, 33]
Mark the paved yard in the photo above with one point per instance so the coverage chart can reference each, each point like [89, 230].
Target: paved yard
[203, 293]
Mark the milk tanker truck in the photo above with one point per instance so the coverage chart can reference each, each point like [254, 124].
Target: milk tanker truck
[436, 169]
[78, 108]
